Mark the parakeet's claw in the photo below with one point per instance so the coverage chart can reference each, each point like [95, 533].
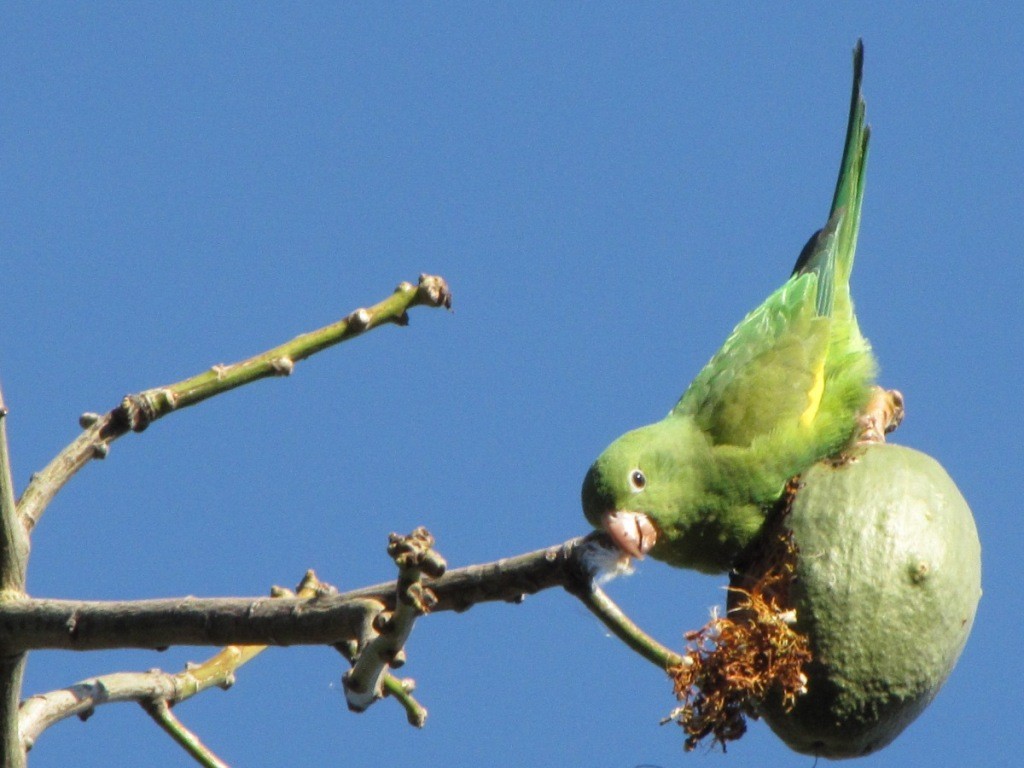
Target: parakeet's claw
[632, 532]
[884, 412]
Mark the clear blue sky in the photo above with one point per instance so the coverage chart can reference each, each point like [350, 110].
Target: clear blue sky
[608, 191]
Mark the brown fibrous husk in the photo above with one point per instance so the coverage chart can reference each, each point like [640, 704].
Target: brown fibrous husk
[734, 662]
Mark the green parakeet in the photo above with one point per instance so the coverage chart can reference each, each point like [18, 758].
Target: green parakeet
[785, 391]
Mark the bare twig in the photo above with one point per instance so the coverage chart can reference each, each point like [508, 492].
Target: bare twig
[136, 412]
[41, 711]
[161, 712]
[623, 628]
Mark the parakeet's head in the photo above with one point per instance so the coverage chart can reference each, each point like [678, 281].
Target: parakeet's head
[645, 491]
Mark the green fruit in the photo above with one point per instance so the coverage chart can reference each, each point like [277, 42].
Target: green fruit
[888, 578]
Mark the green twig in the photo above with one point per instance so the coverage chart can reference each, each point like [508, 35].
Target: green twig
[161, 712]
[138, 411]
[623, 628]
[401, 691]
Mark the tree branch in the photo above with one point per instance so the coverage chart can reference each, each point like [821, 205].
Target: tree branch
[351, 621]
[327, 619]
[627, 631]
[78, 625]
[41, 711]
[154, 690]
[14, 550]
[87, 625]
[12, 669]
[136, 412]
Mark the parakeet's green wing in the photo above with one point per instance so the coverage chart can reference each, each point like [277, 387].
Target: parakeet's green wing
[772, 370]
[768, 372]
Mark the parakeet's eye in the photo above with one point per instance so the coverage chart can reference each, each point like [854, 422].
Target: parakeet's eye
[637, 480]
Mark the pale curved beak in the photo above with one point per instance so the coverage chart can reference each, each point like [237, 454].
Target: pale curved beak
[632, 532]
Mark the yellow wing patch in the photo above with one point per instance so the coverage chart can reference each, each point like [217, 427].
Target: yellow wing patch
[814, 396]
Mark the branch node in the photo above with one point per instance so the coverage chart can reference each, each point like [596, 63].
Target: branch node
[87, 419]
[135, 413]
[309, 581]
[434, 291]
[415, 553]
[100, 451]
[358, 319]
[382, 622]
[350, 648]
[422, 599]
[283, 366]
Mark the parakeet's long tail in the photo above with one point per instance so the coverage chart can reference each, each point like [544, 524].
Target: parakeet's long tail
[830, 251]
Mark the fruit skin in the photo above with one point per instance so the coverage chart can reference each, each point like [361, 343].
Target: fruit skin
[888, 580]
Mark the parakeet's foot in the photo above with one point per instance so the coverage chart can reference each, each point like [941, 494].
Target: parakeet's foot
[884, 412]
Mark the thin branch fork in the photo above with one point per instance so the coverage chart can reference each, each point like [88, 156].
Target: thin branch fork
[155, 690]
